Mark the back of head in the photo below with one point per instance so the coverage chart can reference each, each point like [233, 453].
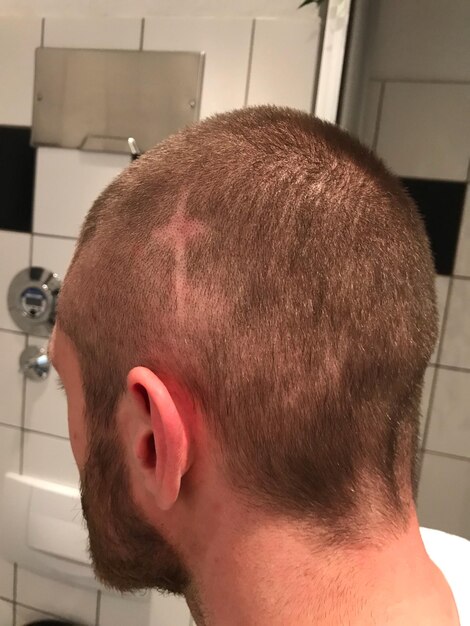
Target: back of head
[270, 264]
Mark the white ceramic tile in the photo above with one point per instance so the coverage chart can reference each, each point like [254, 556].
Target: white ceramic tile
[6, 613]
[11, 379]
[369, 113]
[67, 183]
[116, 610]
[14, 257]
[168, 610]
[442, 288]
[424, 130]
[45, 403]
[55, 597]
[49, 458]
[109, 33]
[444, 494]
[19, 37]
[25, 616]
[462, 260]
[449, 426]
[6, 580]
[53, 254]
[279, 46]
[226, 43]
[427, 386]
[456, 338]
[10, 441]
[411, 42]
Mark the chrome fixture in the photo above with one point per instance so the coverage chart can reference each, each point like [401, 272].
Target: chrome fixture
[135, 152]
[32, 297]
[34, 363]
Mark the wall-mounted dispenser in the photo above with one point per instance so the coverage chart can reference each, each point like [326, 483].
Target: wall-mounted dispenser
[32, 297]
[43, 529]
[98, 99]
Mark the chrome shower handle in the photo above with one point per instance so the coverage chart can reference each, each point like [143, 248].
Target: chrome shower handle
[34, 363]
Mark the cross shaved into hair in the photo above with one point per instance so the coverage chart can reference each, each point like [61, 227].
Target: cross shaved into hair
[307, 282]
[177, 234]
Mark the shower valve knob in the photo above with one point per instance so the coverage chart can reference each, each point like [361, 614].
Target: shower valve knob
[34, 363]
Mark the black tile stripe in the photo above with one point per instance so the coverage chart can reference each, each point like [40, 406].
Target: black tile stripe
[17, 166]
[441, 204]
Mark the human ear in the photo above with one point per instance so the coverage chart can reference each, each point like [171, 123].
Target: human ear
[161, 445]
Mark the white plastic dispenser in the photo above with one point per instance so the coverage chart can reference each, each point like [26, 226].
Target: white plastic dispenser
[42, 529]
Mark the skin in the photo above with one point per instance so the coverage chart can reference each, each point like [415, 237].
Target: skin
[236, 565]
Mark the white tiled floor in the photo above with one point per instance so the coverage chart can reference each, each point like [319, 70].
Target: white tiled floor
[14, 258]
[49, 458]
[449, 427]
[67, 183]
[125, 610]
[444, 494]
[109, 33]
[462, 261]
[19, 37]
[226, 43]
[6, 613]
[284, 44]
[456, 339]
[11, 380]
[45, 403]
[55, 597]
[427, 385]
[53, 254]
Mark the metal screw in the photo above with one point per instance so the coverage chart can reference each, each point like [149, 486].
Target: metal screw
[192, 104]
[39, 97]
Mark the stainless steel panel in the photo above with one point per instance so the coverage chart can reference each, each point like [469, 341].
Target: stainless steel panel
[97, 99]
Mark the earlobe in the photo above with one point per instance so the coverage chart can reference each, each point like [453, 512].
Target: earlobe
[163, 446]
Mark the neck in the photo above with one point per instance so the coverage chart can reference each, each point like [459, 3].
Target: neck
[265, 572]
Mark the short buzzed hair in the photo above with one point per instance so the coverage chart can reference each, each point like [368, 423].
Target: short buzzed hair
[296, 306]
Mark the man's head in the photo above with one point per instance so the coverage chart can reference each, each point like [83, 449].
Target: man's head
[259, 278]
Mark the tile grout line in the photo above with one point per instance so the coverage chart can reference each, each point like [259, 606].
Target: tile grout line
[98, 608]
[38, 610]
[141, 38]
[43, 29]
[10, 330]
[421, 81]
[250, 62]
[23, 394]
[35, 432]
[451, 368]
[15, 591]
[447, 455]
[434, 380]
[54, 236]
[379, 116]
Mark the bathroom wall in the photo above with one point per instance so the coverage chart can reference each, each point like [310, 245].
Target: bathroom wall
[413, 107]
[248, 61]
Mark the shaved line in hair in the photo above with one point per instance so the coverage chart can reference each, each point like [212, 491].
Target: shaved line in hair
[177, 234]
